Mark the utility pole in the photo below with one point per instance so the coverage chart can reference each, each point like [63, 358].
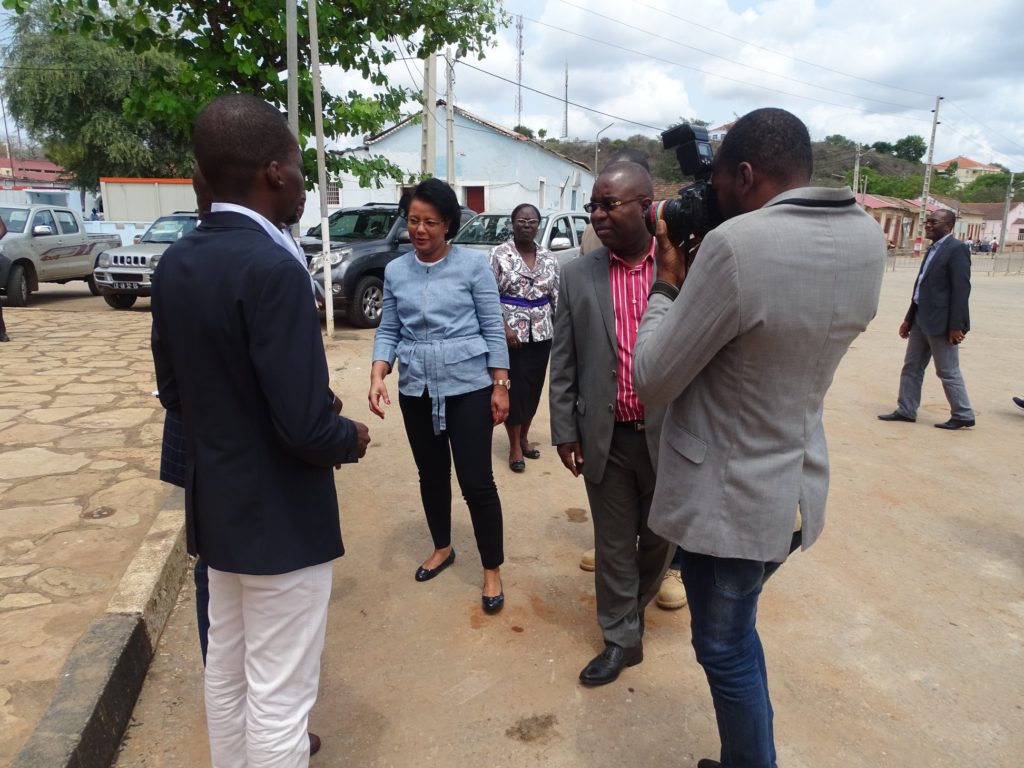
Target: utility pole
[856, 171]
[1006, 216]
[291, 32]
[321, 166]
[919, 237]
[565, 114]
[597, 144]
[449, 102]
[519, 71]
[7, 135]
[428, 141]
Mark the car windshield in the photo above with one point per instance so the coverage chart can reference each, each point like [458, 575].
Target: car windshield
[169, 229]
[14, 218]
[490, 229]
[359, 224]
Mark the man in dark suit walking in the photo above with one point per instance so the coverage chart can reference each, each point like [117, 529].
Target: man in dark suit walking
[247, 370]
[936, 323]
[598, 423]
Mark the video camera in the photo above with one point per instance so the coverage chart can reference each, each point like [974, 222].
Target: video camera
[695, 211]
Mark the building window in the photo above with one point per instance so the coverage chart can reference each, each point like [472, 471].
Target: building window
[540, 195]
[1020, 234]
[333, 193]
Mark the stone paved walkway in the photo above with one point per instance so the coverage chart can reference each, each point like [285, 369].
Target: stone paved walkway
[79, 448]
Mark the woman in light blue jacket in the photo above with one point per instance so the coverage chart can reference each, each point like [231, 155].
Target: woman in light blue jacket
[442, 320]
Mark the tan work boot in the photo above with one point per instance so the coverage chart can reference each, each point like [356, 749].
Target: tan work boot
[589, 560]
[672, 594]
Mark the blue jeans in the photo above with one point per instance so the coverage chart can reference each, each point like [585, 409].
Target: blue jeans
[722, 594]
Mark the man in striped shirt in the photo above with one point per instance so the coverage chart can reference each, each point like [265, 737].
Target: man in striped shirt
[601, 429]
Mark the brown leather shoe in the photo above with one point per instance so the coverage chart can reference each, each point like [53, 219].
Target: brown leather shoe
[314, 743]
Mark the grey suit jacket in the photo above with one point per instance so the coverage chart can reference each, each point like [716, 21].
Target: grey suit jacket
[584, 366]
[942, 301]
[744, 356]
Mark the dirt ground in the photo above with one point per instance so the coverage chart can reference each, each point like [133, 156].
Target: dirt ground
[895, 641]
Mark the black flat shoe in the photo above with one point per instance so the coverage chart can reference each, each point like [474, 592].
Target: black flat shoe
[955, 424]
[896, 416]
[314, 743]
[517, 465]
[493, 604]
[426, 574]
[606, 666]
[531, 453]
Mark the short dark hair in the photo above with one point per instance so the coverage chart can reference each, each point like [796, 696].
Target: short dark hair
[518, 208]
[234, 138]
[629, 155]
[947, 214]
[775, 142]
[636, 173]
[441, 196]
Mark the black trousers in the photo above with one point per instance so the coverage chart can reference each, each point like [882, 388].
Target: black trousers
[467, 440]
[527, 366]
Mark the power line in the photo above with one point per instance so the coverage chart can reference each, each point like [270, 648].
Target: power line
[617, 118]
[733, 61]
[987, 128]
[711, 74]
[779, 53]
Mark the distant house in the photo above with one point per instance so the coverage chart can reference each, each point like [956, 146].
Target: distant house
[495, 168]
[965, 170]
[897, 218]
[970, 217]
[36, 173]
[992, 214]
[717, 134]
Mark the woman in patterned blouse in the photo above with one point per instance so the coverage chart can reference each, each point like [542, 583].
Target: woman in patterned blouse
[527, 276]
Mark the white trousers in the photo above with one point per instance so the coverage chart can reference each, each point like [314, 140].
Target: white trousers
[263, 665]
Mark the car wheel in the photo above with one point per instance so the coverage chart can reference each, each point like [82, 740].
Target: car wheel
[93, 288]
[367, 303]
[17, 287]
[120, 300]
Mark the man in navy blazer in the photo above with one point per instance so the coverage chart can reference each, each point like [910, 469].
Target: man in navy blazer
[237, 348]
[936, 323]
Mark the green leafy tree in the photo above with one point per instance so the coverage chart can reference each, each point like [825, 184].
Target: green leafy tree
[241, 47]
[68, 92]
[911, 148]
[524, 131]
[884, 148]
[991, 188]
[838, 140]
[905, 187]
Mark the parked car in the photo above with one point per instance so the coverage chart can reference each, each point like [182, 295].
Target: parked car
[46, 244]
[123, 274]
[363, 241]
[559, 232]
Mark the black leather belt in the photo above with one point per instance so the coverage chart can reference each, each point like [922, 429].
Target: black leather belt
[635, 426]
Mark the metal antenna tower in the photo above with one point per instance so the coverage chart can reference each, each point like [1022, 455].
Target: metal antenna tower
[519, 70]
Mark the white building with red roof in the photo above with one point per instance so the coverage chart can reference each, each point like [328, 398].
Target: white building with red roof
[965, 169]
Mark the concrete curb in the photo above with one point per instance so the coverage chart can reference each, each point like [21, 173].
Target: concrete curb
[101, 680]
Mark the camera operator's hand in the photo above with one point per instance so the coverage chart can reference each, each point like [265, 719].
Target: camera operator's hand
[673, 261]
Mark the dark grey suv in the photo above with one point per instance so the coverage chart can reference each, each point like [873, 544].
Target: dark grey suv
[364, 241]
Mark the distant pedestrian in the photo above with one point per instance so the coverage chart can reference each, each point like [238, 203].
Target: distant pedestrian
[94, 216]
[994, 246]
[527, 276]
[936, 323]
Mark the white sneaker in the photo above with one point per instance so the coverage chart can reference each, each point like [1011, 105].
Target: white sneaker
[589, 560]
[672, 594]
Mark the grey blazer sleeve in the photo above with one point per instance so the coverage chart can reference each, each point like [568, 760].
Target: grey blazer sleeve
[563, 388]
[677, 339]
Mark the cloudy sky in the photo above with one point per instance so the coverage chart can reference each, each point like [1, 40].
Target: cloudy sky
[867, 69]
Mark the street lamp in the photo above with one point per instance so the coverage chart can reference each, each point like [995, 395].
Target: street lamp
[597, 144]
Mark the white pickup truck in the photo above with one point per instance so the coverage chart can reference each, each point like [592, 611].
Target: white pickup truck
[46, 244]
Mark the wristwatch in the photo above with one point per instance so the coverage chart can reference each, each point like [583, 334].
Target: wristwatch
[506, 383]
